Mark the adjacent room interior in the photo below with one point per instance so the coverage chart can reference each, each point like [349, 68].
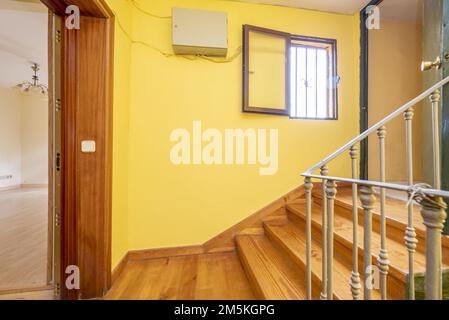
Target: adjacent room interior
[25, 207]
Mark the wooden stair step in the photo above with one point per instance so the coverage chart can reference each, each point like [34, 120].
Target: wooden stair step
[272, 274]
[398, 256]
[396, 219]
[343, 231]
[293, 241]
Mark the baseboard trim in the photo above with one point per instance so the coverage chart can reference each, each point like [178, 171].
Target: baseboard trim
[223, 243]
[225, 240]
[34, 185]
[9, 188]
[165, 252]
[24, 290]
[119, 267]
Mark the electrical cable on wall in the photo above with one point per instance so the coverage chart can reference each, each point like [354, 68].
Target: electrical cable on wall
[137, 6]
[237, 53]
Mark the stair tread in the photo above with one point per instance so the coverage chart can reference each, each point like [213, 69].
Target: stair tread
[398, 254]
[293, 240]
[396, 208]
[274, 276]
[397, 213]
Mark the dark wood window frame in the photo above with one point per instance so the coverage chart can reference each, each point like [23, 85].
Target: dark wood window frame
[332, 92]
[265, 109]
[246, 107]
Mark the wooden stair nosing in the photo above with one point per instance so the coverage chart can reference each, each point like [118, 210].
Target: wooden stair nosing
[265, 268]
[391, 222]
[343, 250]
[394, 270]
[273, 233]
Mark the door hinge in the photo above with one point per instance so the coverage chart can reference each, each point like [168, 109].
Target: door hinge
[58, 162]
[58, 36]
[58, 105]
[57, 290]
[57, 218]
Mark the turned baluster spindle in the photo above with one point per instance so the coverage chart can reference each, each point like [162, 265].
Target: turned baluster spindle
[355, 276]
[410, 233]
[367, 198]
[435, 98]
[433, 211]
[382, 259]
[308, 189]
[331, 191]
[324, 172]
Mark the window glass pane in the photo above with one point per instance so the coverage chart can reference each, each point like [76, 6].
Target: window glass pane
[311, 82]
[301, 82]
[267, 71]
[293, 83]
[322, 89]
[312, 72]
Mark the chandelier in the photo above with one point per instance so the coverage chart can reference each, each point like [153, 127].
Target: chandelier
[34, 85]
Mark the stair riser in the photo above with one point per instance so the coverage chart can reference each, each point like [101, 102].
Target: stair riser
[343, 250]
[271, 275]
[255, 285]
[316, 281]
[340, 254]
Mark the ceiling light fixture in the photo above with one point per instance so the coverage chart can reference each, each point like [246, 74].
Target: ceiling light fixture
[34, 85]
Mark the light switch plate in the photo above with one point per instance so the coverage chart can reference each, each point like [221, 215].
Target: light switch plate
[88, 146]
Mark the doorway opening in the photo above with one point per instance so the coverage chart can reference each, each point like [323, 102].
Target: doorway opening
[26, 153]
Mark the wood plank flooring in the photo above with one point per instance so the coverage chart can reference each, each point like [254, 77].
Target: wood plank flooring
[196, 277]
[23, 238]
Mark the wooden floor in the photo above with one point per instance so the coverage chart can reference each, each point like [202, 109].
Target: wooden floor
[23, 238]
[47, 294]
[198, 277]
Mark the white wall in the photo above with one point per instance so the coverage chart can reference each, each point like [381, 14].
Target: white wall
[23, 138]
[10, 136]
[34, 124]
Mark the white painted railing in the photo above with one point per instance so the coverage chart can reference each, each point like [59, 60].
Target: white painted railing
[433, 209]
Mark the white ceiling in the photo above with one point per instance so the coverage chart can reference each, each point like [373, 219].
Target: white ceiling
[23, 39]
[339, 6]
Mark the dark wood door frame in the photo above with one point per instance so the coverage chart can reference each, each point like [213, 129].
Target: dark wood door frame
[364, 78]
[86, 178]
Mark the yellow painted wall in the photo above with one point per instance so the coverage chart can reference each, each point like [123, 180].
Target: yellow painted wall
[170, 205]
[395, 78]
[121, 107]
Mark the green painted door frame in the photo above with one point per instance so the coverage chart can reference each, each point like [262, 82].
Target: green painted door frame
[445, 109]
[436, 43]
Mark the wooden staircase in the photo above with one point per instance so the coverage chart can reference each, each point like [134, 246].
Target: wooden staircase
[275, 260]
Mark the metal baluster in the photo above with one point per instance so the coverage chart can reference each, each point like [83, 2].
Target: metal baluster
[355, 276]
[383, 254]
[434, 215]
[331, 191]
[367, 198]
[410, 233]
[308, 185]
[435, 100]
[324, 172]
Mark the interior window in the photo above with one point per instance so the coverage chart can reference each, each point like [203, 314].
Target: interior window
[313, 78]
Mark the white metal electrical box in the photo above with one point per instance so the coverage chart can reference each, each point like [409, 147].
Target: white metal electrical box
[200, 32]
